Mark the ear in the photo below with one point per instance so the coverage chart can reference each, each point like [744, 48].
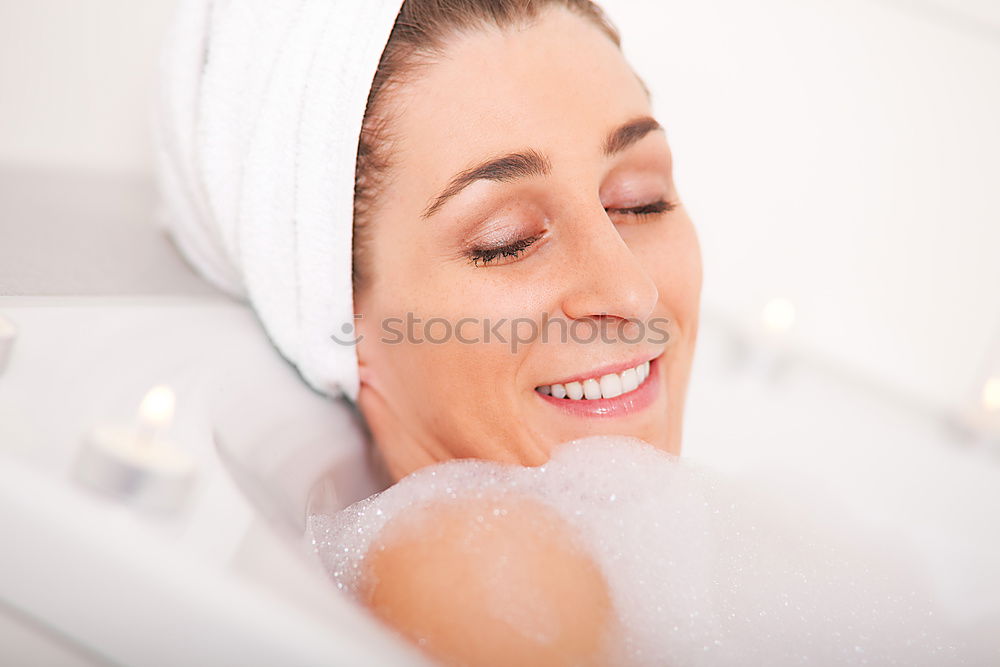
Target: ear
[366, 349]
[366, 374]
[382, 424]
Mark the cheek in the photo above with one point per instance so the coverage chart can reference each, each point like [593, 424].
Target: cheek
[441, 311]
[434, 353]
[673, 258]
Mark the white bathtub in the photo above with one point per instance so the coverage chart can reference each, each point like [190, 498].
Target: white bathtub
[106, 310]
[228, 580]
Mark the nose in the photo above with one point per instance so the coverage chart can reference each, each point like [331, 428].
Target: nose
[607, 278]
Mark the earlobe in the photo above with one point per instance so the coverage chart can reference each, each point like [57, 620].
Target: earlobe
[365, 373]
[388, 438]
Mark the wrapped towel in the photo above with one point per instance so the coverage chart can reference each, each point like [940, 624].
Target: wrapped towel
[260, 111]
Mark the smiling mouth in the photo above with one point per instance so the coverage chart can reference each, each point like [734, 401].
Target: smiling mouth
[609, 385]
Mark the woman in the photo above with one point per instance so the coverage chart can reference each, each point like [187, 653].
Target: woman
[524, 274]
[517, 174]
[577, 219]
[574, 216]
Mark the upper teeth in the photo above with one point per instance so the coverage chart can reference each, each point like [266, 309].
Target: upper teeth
[606, 386]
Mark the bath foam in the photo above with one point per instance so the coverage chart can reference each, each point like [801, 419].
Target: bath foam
[703, 569]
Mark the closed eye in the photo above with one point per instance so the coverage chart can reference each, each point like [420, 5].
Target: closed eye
[511, 252]
[655, 208]
[482, 256]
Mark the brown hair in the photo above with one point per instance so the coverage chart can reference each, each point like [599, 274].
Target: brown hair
[418, 37]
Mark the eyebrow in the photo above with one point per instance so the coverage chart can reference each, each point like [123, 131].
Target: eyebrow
[524, 164]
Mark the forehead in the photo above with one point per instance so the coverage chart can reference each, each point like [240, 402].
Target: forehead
[557, 85]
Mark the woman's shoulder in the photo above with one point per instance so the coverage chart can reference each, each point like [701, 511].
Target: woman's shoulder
[488, 581]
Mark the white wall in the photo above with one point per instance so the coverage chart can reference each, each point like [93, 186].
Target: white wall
[841, 153]
[844, 154]
[75, 79]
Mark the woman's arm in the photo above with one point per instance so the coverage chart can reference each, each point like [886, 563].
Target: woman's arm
[480, 582]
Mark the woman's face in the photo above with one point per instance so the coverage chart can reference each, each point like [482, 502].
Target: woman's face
[492, 284]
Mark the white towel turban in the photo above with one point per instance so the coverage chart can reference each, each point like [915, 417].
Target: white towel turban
[257, 129]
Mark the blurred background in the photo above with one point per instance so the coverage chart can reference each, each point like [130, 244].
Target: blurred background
[844, 156]
[840, 158]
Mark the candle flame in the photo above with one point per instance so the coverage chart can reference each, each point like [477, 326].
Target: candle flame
[157, 408]
[991, 394]
[778, 315]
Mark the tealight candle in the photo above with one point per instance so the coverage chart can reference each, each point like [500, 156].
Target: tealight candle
[134, 462]
[991, 396]
[777, 317]
[772, 336]
[984, 417]
[977, 422]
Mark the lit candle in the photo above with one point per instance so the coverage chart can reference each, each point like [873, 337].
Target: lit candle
[776, 321]
[991, 396]
[136, 463]
[988, 419]
[978, 421]
[778, 317]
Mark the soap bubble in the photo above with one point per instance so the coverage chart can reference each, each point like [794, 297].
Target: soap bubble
[703, 568]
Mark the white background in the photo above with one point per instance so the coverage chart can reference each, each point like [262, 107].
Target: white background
[843, 154]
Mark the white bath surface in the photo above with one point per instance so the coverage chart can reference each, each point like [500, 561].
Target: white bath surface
[703, 569]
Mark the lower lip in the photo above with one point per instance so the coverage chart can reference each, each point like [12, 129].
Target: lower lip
[619, 406]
